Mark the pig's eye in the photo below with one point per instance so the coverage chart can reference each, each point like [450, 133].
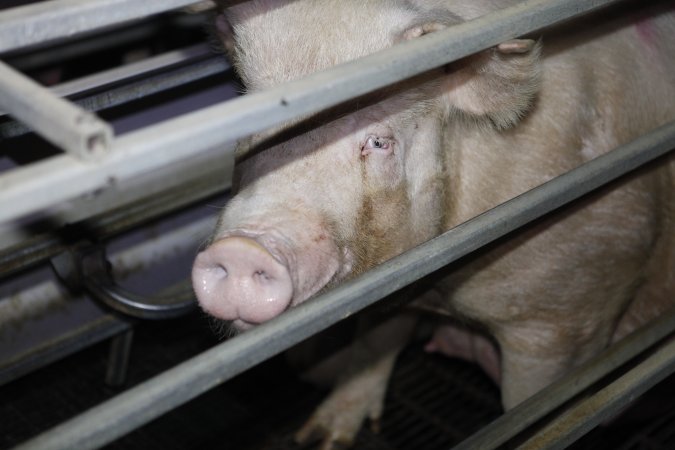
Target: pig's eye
[376, 144]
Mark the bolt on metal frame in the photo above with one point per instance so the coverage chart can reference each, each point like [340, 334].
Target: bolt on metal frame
[232, 120]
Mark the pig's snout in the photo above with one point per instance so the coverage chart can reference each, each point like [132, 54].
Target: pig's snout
[237, 279]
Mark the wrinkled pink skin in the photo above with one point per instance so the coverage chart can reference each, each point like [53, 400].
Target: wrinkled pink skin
[351, 192]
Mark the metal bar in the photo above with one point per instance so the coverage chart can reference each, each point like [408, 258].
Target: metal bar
[553, 396]
[604, 404]
[31, 24]
[140, 79]
[145, 68]
[77, 339]
[46, 183]
[118, 358]
[139, 405]
[64, 124]
[99, 41]
[177, 58]
[182, 137]
[119, 211]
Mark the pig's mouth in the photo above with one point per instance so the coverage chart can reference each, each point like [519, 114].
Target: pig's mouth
[251, 277]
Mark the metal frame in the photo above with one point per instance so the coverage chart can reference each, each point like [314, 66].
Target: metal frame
[64, 124]
[181, 138]
[145, 254]
[135, 407]
[36, 23]
[147, 77]
[175, 140]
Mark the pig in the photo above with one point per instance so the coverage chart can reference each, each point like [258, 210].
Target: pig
[328, 197]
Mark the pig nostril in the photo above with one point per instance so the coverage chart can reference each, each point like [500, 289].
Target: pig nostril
[262, 275]
[239, 279]
[217, 272]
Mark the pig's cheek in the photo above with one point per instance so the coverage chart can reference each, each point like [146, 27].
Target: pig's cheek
[317, 265]
[383, 171]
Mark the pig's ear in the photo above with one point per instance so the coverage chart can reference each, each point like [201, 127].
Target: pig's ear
[499, 84]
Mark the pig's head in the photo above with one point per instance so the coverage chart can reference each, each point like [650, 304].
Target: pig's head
[351, 192]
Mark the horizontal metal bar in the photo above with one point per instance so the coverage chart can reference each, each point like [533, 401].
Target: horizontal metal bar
[138, 80]
[548, 399]
[35, 239]
[144, 68]
[139, 405]
[31, 24]
[46, 183]
[66, 125]
[161, 63]
[79, 338]
[99, 41]
[182, 137]
[607, 402]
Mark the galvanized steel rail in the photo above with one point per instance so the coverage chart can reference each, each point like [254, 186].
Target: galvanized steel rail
[63, 123]
[149, 76]
[43, 184]
[135, 407]
[40, 22]
[581, 418]
[551, 397]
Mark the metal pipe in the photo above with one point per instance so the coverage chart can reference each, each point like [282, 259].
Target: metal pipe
[188, 56]
[118, 358]
[31, 24]
[135, 407]
[64, 124]
[604, 404]
[18, 306]
[209, 178]
[147, 77]
[76, 339]
[174, 140]
[509, 425]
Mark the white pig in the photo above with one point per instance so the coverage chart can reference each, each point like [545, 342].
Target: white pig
[397, 170]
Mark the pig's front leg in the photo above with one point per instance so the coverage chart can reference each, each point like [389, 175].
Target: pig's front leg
[360, 390]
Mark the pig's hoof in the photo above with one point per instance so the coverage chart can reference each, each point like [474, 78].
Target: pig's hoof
[337, 421]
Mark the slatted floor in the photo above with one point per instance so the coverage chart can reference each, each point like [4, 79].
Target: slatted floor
[433, 403]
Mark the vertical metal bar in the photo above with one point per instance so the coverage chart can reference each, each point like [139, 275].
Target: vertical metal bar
[66, 125]
[118, 358]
